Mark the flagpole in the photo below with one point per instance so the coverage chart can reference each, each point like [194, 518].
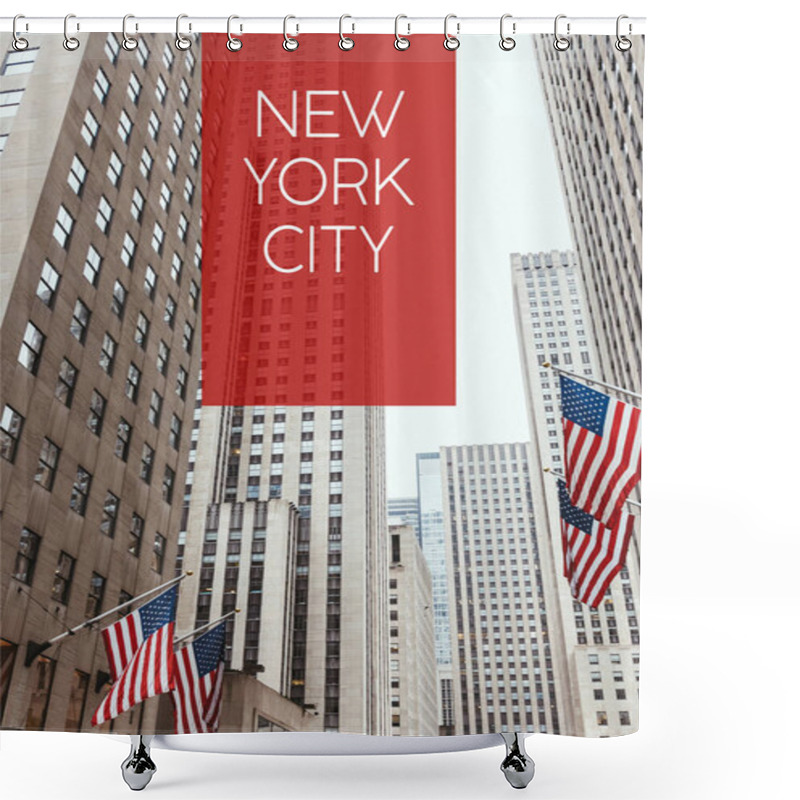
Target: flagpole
[36, 648]
[563, 477]
[207, 625]
[592, 380]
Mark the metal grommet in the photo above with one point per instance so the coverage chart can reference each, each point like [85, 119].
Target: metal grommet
[561, 43]
[345, 42]
[19, 42]
[128, 42]
[233, 44]
[400, 42]
[451, 42]
[181, 41]
[507, 42]
[70, 42]
[290, 44]
[623, 43]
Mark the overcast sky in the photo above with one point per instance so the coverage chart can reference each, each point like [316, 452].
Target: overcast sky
[509, 200]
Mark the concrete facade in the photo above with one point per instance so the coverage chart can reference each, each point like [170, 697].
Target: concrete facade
[100, 246]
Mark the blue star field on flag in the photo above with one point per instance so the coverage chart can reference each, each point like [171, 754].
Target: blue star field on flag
[584, 406]
[209, 649]
[158, 612]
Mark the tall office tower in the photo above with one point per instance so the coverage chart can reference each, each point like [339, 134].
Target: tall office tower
[508, 675]
[404, 511]
[432, 541]
[411, 643]
[599, 149]
[314, 625]
[100, 280]
[601, 647]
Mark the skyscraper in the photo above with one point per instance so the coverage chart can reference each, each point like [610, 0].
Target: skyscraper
[101, 265]
[301, 488]
[404, 511]
[600, 648]
[507, 675]
[599, 150]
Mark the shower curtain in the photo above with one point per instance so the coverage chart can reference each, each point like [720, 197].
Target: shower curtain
[320, 383]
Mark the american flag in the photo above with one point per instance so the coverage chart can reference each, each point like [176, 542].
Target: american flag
[140, 656]
[593, 553]
[603, 449]
[199, 670]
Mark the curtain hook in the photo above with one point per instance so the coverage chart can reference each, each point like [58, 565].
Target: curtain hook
[70, 42]
[560, 42]
[400, 42]
[345, 42]
[18, 43]
[623, 43]
[290, 44]
[233, 44]
[129, 42]
[182, 42]
[507, 42]
[451, 42]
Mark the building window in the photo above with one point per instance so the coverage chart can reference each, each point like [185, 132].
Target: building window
[621, 695]
[43, 669]
[10, 430]
[80, 321]
[77, 701]
[142, 329]
[194, 295]
[188, 190]
[159, 546]
[118, 298]
[169, 311]
[150, 280]
[198, 255]
[180, 383]
[134, 87]
[48, 461]
[188, 336]
[598, 694]
[77, 176]
[101, 86]
[9, 102]
[157, 241]
[137, 205]
[146, 468]
[26, 555]
[172, 159]
[168, 57]
[125, 126]
[146, 163]
[112, 48]
[94, 600]
[104, 214]
[135, 534]
[178, 124]
[161, 90]
[175, 432]
[30, 351]
[132, 382]
[91, 266]
[123, 440]
[62, 230]
[65, 385]
[177, 268]
[62, 581]
[154, 412]
[128, 250]
[165, 198]
[168, 484]
[624, 717]
[194, 155]
[115, 167]
[184, 91]
[90, 128]
[153, 126]
[108, 523]
[142, 53]
[162, 359]
[8, 653]
[97, 409]
[602, 718]
[19, 61]
[107, 354]
[48, 283]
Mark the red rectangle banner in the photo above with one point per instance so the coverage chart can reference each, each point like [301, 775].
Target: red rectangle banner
[328, 222]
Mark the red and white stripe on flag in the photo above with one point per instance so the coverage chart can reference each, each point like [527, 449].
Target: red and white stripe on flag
[140, 656]
[602, 444]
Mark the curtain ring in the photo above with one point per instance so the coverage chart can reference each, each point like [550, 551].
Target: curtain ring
[182, 42]
[560, 42]
[623, 43]
[507, 42]
[345, 42]
[233, 44]
[400, 42]
[18, 43]
[70, 42]
[290, 44]
[128, 42]
[451, 42]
